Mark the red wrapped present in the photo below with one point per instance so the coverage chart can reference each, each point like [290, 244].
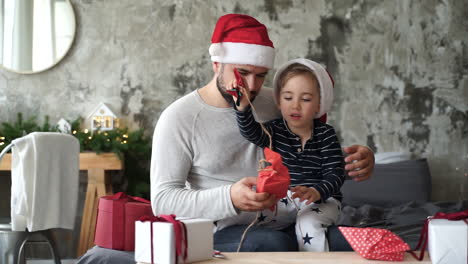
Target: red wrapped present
[273, 179]
[115, 223]
[375, 243]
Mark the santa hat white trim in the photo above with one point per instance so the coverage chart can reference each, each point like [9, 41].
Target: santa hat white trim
[323, 78]
[243, 53]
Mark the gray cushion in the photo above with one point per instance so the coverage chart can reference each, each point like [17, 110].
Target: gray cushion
[391, 184]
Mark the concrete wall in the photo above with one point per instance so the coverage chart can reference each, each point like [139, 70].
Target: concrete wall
[401, 68]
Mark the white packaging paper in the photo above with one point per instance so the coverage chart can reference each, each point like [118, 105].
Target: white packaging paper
[448, 241]
[199, 241]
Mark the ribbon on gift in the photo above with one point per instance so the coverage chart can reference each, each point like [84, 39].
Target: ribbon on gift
[463, 215]
[122, 195]
[180, 231]
[273, 179]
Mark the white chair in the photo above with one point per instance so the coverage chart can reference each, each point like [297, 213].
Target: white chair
[44, 171]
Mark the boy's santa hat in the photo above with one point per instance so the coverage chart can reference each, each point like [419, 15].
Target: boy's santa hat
[324, 80]
[241, 39]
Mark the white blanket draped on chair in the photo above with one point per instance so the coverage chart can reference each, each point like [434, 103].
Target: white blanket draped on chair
[44, 189]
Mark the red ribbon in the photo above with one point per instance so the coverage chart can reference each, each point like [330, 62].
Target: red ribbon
[122, 195]
[463, 215]
[180, 231]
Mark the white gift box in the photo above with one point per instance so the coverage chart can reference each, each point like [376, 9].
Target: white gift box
[199, 241]
[448, 241]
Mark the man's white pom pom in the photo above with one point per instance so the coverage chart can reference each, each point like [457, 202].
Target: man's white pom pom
[216, 49]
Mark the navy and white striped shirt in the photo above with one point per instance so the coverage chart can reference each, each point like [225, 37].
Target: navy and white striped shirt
[320, 164]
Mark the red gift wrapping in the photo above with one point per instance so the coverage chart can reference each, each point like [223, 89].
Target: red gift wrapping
[115, 223]
[375, 243]
[381, 244]
[274, 179]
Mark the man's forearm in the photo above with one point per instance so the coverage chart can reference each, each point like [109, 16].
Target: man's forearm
[212, 203]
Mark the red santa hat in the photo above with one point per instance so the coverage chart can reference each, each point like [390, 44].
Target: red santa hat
[241, 39]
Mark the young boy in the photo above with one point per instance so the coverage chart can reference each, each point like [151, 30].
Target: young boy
[309, 148]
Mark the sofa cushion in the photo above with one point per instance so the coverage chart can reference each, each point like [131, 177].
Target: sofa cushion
[391, 184]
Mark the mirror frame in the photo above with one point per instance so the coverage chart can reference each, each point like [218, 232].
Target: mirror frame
[61, 57]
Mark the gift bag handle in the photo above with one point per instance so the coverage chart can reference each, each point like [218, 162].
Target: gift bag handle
[423, 238]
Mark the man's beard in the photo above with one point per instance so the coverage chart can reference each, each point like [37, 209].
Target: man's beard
[222, 90]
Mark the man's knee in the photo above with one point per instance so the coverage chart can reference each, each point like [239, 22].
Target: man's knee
[269, 241]
[257, 239]
[99, 255]
[336, 240]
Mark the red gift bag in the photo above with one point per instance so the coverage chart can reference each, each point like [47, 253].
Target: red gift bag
[273, 179]
[115, 221]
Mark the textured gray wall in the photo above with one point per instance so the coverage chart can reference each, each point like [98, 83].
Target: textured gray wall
[401, 68]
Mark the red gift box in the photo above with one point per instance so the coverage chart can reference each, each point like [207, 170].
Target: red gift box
[115, 223]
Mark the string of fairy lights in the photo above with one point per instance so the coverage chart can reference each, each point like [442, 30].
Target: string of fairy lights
[133, 146]
[90, 137]
[102, 138]
[86, 131]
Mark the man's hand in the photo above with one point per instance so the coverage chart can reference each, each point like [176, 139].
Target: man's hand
[305, 193]
[246, 199]
[360, 162]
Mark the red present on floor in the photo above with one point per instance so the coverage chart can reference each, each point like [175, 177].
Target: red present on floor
[375, 243]
[115, 223]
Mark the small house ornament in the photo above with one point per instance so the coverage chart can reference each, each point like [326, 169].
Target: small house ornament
[102, 118]
[63, 126]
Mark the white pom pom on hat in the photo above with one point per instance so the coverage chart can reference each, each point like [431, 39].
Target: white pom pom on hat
[216, 49]
[324, 79]
[241, 39]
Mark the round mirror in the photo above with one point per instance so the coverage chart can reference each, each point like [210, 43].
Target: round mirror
[35, 34]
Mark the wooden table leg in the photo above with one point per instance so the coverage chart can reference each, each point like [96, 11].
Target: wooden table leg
[86, 218]
[98, 185]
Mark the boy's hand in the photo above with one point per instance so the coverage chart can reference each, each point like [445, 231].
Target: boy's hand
[236, 90]
[305, 193]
